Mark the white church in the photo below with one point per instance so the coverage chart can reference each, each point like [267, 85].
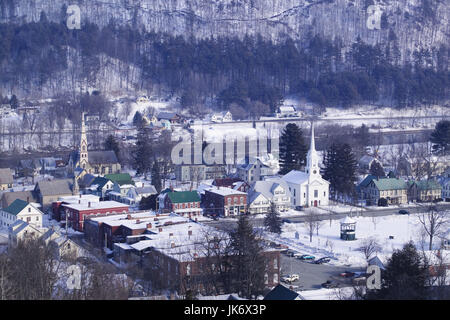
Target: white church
[308, 188]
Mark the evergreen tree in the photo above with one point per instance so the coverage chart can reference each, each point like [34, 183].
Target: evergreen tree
[138, 119]
[293, 149]
[340, 168]
[148, 203]
[112, 144]
[405, 276]
[441, 137]
[14, 102]
[248, 262]
[272, 220]
[142, 154]
[156, 176]
[376, 169]
[362, 137]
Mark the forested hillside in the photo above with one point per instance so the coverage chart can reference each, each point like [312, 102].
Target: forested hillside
[40, 57]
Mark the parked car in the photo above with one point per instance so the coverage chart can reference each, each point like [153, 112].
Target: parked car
[330, 284]
[403, 211]
[286, 221]
[290, 253]
[290, 278]
[299, 208]
[306, 257]
[322, 260]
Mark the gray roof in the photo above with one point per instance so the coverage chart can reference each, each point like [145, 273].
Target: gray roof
[267, 187]
[280, 292]
[102, 157]
[166, 115]
[30, 163]
[6, 176]
[55, 187]
[9, 197]
[147, 189]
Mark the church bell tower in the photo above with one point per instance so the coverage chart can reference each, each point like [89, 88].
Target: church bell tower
[84, 160]
[312, 159]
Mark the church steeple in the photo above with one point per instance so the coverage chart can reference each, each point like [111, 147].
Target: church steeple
[84, 160]
[312, 159]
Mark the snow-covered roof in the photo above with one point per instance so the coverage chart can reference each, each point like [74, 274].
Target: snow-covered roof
[347, 220]
[95, 205]
[225, 191]
[297, 177]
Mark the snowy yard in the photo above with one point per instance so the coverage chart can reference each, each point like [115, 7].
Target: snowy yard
[402, 228]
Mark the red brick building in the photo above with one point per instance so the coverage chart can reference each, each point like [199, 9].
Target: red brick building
[184, 203]
[78, 212]
[177, 272]
[224, 202]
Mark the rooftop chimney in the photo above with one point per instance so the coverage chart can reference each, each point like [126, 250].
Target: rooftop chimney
[149, 225]
[172, 244]
[170, 234]
[129, 217]
[160, 229]
[190, 233]
[138, 221]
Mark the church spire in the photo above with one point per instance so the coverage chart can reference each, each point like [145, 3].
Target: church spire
[313, 144]
[312, 160]
[84, 160]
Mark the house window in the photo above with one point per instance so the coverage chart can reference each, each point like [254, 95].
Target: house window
[275, 263]
[188, 270]
[29, 209]
[275, 278]
[316, 193]
[266, 279]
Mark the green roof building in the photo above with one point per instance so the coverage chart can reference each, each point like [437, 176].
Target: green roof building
[424, 190]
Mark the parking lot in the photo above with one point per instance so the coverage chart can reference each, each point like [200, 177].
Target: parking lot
[313, 275]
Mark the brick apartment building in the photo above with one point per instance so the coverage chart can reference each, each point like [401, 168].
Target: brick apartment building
[78, 212]
[224, 202]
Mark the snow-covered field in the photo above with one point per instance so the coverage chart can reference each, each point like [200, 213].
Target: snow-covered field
[402, 228]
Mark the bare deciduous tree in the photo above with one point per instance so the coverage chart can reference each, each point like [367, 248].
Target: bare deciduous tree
[312, 223]
[369, 247]
[433, 221]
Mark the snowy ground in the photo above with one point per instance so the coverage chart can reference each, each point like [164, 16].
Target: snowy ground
[403, 228]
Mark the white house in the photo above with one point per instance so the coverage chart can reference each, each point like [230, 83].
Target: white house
[21, 210]
[253, 169]
[263, 193]
[135, 195]
[257, 203]
[20, 230]
[308, 188]
[224, 116]
[62, 244]
[287, 111]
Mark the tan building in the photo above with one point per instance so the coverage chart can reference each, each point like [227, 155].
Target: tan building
[48, 192]
[394, 190]
[424, 190]
[6, 179]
